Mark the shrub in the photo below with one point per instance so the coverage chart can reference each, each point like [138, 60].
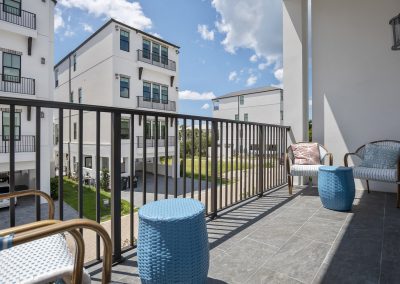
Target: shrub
[54, 188]
[105, 180]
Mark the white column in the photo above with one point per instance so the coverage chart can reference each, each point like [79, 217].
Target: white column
[295, 64]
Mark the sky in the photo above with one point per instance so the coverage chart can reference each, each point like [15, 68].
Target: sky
[225, 45]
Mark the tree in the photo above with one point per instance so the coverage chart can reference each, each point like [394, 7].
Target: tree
[105, 180]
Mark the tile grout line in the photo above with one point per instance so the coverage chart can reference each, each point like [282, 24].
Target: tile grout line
[383, 238]
[284, 245]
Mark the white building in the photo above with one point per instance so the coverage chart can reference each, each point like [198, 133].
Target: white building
[355, 73]
[262, 105]
[118, 66]
[26, 57]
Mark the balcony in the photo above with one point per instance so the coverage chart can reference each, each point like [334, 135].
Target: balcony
[151, 142]
[156, 60]
[25, 144]
[18, 85]
[157, 105]
[17, 16]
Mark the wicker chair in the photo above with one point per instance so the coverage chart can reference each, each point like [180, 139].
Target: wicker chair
[38, 252]
[304, 170]
[382, 175]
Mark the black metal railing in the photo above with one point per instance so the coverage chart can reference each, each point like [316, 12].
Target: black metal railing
[14, 84]
[151, 142]
[157, 60]
[17, 16]
[216, 161]
[23, 144]
[156, 104]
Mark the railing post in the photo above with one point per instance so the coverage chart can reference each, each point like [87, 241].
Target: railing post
[261, 147]
[116, 185]
[214, 168]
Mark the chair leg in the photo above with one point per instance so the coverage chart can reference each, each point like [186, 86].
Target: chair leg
[290, 185]
[368, 186]
[398, 196]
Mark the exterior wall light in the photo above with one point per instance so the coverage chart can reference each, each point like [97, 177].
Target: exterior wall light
[395, 23]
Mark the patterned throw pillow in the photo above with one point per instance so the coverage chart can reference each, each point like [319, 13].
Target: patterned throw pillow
[380, 157]
[306, 154]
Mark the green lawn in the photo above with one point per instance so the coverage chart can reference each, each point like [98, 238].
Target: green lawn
[89, 201]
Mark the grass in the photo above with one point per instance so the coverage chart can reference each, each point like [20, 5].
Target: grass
[89, 201]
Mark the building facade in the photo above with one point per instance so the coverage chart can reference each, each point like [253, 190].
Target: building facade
[263, 105]
[26, 57]
[118, 66]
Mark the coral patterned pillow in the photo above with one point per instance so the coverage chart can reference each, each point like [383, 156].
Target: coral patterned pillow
[306, 154]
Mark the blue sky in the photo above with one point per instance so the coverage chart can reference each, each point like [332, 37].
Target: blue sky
[225, 45]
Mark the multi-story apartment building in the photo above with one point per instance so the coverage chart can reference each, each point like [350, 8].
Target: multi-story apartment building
[118, 66]
[263, 105]
[26, 58]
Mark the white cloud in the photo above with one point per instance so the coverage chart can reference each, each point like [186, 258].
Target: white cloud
[87, 28]
[58, 20]
[195, 96]
[205, 106]
[251, 80]
[251, 24]
[69, 32]
[253, 58]
[279, 74]
[127, 12]
[156, 35]
[233, 76]
[205, 33]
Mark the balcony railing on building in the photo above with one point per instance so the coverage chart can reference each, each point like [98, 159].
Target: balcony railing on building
[156, 59]
[151, 142]
[23, 144]
[17, 16]
[156, 104]
[14, 84]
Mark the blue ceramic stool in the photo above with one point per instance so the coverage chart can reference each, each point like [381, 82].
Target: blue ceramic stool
[173, 242]
[336, 187]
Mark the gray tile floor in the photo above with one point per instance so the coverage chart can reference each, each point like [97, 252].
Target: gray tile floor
[278, 239]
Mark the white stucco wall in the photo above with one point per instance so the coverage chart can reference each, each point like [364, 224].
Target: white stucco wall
[356, 86]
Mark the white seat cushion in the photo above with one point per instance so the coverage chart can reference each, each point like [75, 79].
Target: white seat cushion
[41, 261]
[305, 170]
[385, 175]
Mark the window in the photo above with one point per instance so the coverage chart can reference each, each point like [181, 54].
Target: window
[148, 130]
[236, 117]
[216, 105]
[124, 40]
[6, 126]
[124, 128]
[241, 99]
[146, 91]
[146, 48]
[162, 129]
[80, 95]
[75, 131]
[56, 134]
[156, 52]
[246, 117]
[71, 97]
[124, 87]
[56, 77]
[164, 94]
[154, 133]
[88, 162]
[12, 7]
[164, 55]
[11, 67]
[74, 62]
[156, 93]
[104, 163]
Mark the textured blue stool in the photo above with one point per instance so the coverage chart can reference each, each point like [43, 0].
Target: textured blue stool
[173, 242]
[336, 187]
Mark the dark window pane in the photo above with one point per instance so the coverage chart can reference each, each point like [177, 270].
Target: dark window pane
[146, 49]
[156, 93]
[164, 94]
[124, 41]
[124, 128]
[146, 91]
[124, 87]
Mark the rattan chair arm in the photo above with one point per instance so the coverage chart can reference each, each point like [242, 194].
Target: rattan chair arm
[32, 192]
[330, 155]
[71, 226]
[26, 227]
[346, 158]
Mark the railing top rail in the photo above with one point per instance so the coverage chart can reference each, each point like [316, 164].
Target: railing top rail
[22, 10]
[94, 108]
